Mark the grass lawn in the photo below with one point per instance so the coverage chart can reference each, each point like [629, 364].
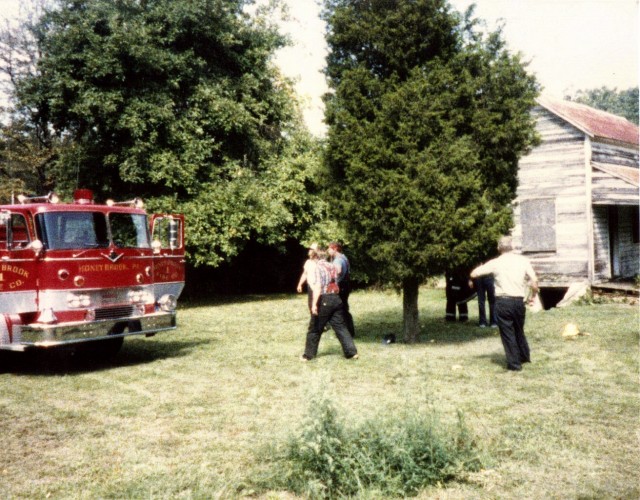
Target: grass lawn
[188, 414]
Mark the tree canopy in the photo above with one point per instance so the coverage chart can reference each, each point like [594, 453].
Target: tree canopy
[178, 102]
[427, 118]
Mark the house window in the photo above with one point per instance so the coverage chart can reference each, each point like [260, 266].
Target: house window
[538, 221]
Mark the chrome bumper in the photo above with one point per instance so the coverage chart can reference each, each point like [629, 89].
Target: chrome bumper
[45, 335]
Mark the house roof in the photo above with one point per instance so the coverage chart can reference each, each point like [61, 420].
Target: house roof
[627, 174]
[591, 121]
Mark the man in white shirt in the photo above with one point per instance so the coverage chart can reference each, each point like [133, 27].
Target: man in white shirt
[513, 276]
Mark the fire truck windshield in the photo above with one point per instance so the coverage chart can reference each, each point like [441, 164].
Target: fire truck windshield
[129, 230]
[84, 230]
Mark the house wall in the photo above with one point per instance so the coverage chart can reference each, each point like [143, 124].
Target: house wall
[612, 193]
[603, 152]
[608, 189]
[556, 170]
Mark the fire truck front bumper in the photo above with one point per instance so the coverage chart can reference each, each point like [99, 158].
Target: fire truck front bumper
[49, 335]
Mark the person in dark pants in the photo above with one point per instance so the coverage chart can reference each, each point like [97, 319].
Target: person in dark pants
[328, 307]
[512, 275]
[458, 293]
[343, 278]
[486, 291]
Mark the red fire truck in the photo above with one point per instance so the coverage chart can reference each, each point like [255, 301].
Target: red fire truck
[72, 273]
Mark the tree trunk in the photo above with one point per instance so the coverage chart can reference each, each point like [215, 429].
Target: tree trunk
[411, 325]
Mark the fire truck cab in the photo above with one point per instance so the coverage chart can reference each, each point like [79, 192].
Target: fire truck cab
[79, 272]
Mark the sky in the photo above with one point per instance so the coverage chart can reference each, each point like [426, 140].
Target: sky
[571, 44]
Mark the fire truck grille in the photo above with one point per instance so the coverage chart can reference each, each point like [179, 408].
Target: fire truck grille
[114, 312]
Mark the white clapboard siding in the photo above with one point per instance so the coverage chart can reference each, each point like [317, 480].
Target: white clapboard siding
[617, 155]
[556, 169]
[611, 190]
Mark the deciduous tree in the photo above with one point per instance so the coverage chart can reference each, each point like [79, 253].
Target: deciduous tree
[178, 102]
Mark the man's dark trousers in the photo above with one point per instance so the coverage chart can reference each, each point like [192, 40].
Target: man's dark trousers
[486, 290]
[330, 310]
[345, 290]
[510, 313]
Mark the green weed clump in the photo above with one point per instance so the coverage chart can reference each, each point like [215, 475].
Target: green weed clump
[390, 457]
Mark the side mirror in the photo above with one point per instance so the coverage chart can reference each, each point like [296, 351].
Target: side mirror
[37, 247]
[173, 233]
[156, 246]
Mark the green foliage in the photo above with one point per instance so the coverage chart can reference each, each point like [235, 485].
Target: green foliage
[425, 133]
[180, 103]
[427, 120]
[391, 456]
[622, 103]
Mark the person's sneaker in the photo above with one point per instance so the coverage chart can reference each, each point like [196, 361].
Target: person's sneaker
[494, 325]
[355, 356]
[304, 358]
[482, 325]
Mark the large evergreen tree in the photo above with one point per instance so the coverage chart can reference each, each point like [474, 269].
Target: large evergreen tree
[178, 102]
[427, 120]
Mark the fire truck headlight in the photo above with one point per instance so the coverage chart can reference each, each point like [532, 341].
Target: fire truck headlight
[140, 297]
[168, 303]
[75, 301]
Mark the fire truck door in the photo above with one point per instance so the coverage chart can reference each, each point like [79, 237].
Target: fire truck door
[18, 271]
[167, 234]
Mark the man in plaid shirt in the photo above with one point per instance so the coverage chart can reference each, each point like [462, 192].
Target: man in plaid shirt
[328, 307]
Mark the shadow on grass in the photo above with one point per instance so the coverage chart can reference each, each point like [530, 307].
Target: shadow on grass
[496, 358]
[216, 300]
[69, 361]
[376, 327]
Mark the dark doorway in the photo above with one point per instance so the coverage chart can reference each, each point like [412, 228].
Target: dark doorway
[614, 241]
[550, 296]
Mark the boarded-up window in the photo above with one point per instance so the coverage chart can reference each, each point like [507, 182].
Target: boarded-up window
[538, 219]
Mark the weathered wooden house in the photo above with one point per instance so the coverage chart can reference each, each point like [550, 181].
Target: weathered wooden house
[576, 212]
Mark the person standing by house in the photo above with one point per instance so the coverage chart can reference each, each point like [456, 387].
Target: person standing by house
[458, 293]
[328, 307]
[343, 270]
[512, 275]
[485, 288]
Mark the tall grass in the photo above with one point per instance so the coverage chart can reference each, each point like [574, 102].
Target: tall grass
[393, 456]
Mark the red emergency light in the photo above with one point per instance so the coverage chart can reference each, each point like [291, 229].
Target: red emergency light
[83, 196]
